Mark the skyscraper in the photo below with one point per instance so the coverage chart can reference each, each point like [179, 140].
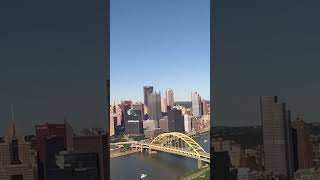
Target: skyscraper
[139, 106]
[303, 145]
[43, 134]
[196, 104]
[125, 106]
[112, 125]
[134, 127]
[187, 123]
[115, 119]
[146, 91]
[134, 114]
[16, 158]
[154, 105]
[94, 144]
[205, 108]
[169, 97]
[164, 104]
[175, 121]
[163, 124]
[276, 141]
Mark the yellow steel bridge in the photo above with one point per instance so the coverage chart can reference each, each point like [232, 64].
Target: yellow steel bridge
[179, 144]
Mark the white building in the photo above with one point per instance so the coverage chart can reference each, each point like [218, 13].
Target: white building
[187, 123]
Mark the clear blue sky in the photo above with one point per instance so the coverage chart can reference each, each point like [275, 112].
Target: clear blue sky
[163, 43]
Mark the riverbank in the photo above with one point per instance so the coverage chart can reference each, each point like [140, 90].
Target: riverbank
[115, 155]
[200, 174]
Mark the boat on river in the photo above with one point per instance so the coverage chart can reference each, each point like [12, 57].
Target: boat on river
[143, 176]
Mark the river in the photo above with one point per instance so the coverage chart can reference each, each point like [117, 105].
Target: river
[159, 166]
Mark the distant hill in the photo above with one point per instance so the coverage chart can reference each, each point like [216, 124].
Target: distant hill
[247, 136]
[186, 104]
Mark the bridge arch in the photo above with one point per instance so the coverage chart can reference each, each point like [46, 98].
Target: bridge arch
[165, 137]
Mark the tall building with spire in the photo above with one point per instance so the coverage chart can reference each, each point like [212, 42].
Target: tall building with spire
[17, 160]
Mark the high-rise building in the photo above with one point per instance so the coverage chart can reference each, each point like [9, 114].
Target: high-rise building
[187, 123]
[205, 108]
[134, 127]
[303, 146]
[154, 106]
[139, 106]
[97, 144]
[169, 97]
[196, 105]
[175, 121]
[134, 122]
[125, 106]
[163, 124]
[54, 145]
[276, 136]
[112, 125]
[146, 91]
[17, 160]
[43, 134]
[113, 108]
[164, 105]
[115, 119]
[134, 114]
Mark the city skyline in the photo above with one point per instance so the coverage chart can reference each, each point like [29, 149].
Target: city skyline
[163, 43]
[162, 93]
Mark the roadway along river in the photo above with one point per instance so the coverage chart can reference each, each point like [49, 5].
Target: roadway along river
[159, 166]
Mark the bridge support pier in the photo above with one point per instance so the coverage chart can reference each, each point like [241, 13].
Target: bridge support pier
[199, 164]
